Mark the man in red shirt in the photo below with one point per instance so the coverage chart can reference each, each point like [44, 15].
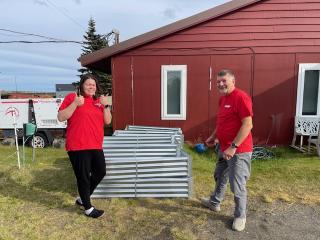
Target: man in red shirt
[233, 133]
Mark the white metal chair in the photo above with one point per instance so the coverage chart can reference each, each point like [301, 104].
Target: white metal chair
[316, 142]
[305, 127]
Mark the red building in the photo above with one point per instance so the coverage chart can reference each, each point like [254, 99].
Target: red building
[166, 77]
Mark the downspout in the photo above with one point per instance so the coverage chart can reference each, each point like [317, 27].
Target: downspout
[132, 91]
[209, 96]
[113, 77]
[253, 60]
[296, 76]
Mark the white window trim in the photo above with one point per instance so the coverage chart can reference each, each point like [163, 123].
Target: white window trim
[183, 95]
[302, 68]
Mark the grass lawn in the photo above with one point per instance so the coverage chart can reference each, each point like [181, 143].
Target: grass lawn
[37, 202]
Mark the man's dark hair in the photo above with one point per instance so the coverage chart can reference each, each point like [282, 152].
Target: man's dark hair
[84, 78]
[225, 72]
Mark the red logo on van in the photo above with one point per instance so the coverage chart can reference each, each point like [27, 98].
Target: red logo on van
[13, 111]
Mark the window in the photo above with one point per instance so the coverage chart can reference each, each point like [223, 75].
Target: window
[308, 90]
[173, 92]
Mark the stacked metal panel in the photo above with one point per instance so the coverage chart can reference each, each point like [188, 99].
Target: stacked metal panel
[146, 162]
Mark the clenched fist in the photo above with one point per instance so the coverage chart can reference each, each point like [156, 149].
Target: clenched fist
[104, 100]
[79, 100]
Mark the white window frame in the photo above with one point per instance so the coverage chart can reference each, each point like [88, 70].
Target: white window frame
[183, 91]
[302, 68]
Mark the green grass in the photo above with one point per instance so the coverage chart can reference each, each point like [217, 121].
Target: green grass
[291, 176]
[37, 202]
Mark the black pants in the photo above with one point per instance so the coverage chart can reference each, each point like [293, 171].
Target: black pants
[89, 167]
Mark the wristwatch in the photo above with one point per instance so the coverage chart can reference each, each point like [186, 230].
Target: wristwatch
[233, 145]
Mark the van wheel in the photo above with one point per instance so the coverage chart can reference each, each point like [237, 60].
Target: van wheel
[38, 141]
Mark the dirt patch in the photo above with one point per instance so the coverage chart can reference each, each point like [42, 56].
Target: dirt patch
[270, 221]
[278, 220]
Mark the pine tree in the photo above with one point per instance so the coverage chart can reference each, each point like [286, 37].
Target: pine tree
[94, 42]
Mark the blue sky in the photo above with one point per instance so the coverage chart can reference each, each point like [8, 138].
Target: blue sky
[38, 67]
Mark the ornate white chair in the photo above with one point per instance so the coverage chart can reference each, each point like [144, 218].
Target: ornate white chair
[305, 127]
[316, 142]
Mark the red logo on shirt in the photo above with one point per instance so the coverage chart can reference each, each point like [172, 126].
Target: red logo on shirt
[98, 105]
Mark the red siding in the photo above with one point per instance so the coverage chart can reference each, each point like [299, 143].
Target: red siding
[276, 24]
[197, 125]
[262, 43]
[274, 98]
[147, 90]
[122, 103]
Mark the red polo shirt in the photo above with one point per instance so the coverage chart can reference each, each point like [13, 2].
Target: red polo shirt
[232, 109]
[85, 126]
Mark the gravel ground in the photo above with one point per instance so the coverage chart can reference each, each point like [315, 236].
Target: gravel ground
[268, 221]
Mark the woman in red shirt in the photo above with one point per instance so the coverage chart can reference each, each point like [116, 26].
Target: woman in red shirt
[86, 113]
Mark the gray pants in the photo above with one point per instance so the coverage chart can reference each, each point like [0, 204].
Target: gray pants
[237, 171]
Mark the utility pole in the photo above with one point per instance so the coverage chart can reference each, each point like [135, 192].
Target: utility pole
[0, 89]
[15, 83]
[116, 35]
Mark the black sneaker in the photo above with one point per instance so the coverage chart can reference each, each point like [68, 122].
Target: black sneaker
[95, 213]
[77, 202]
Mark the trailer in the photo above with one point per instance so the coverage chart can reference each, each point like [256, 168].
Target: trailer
[40, 111]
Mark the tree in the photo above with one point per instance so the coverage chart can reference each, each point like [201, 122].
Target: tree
[92, 43]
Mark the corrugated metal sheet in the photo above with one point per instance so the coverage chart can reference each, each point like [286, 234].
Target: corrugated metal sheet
[146, 162]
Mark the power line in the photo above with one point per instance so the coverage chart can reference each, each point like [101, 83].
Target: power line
[47, 41]
[65, 14]
[30, 34]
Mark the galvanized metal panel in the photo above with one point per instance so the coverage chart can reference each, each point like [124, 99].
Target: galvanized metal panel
[139, 171]
[150, 180]
[107, 190]
[144, 185]
[138, 150]
[115, 161]
[177, 164]
[165, 195]
[135, 127]
[139, 154]
[157, 175]
[132, 132]
[139, 146]
[175, 138]
[147, 137]
[138, 167]
[164, 141]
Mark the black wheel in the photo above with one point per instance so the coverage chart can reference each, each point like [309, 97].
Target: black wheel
[38, 141]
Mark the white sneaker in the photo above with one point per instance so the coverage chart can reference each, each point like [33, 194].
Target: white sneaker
[239, 224]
